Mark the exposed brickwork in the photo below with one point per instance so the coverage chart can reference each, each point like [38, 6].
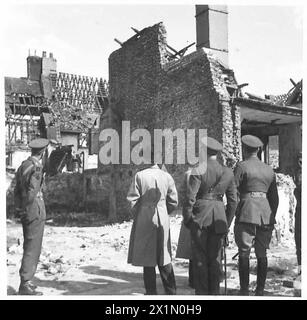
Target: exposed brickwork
[151, 92]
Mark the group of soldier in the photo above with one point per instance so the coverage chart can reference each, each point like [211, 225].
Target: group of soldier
[251, 197]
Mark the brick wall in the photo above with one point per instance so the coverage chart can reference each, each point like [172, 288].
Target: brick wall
[151, 92]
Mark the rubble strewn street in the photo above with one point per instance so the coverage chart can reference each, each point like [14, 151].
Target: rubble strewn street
[93, 261]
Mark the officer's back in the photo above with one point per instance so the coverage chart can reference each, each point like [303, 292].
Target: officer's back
[257, 189]
[213, 184]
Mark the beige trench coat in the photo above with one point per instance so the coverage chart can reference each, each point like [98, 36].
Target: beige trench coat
[152, 196]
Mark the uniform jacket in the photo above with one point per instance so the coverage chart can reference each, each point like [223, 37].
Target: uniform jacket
[252, 175]
[152, 196]
[211, 212]
[27, 193]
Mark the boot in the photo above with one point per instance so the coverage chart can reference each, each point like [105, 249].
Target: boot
[244, 275]
[262, 267]
[25, 289]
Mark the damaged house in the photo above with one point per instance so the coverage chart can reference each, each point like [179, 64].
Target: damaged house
[154, 86]
[53, 105]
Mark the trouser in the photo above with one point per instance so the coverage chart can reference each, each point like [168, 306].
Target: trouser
[206, 255]
[247, 234]
[167, 276]
[33, 235]
[297, 234]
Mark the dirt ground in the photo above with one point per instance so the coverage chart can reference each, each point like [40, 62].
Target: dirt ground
[79, 260]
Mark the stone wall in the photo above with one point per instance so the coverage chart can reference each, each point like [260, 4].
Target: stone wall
[70, 192]
[154, 93]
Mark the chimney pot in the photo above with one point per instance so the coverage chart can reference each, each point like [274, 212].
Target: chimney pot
[50, 55]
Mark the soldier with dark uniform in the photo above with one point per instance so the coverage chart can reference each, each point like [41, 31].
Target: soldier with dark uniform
[255, 216]
[204, 214]
[30, 205]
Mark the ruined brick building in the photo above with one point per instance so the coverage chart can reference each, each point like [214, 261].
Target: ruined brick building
[52, 104]
[153, 88]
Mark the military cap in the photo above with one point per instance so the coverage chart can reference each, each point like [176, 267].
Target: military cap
[212, 144]
[39, 143]
[251, 141]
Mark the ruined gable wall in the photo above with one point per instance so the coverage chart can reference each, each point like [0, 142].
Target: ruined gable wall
[153, 93]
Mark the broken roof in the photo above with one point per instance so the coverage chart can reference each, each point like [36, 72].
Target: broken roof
[293, 97]
[72, 118]
[254, 111]
[22, 86]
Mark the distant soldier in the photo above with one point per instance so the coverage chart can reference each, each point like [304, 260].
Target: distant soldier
[152, 196]
[297, 223]
[255, 217]
[30, 205]
[204, 214]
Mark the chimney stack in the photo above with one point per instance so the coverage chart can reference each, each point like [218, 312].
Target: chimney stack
[212, 30]
[44, 54]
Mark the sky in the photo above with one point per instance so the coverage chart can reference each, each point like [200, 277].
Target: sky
[265, 42]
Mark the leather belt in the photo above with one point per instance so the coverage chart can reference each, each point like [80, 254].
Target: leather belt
[212, 196]
[254, 194]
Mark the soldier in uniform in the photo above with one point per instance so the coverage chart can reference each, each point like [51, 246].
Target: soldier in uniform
[152, 197]
[298, 219]
[204, 214]
[255, 217]
[30, 205]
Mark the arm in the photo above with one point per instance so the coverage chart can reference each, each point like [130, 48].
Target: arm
[193, 186]
[34, 176]
[238, 179]
[172, 196]
[273, 199]
[232, 201]
[134, 192]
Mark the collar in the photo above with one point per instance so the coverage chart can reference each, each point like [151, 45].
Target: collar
[155, 166]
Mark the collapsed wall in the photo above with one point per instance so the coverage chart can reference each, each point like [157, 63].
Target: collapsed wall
[154, 93]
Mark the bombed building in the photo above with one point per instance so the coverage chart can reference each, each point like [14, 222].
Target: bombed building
[54, 105]
[154, 86]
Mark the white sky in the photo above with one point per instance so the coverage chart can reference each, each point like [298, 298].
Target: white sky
[265, 42]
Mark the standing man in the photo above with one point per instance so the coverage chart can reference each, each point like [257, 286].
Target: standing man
[298, 218]
[152, 196]
[204, 214]
[184, 250]
[30, 205]
[255, 217]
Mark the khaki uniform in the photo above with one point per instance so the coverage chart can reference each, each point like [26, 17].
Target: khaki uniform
[205, 215]
[255, 216]
[29, 201]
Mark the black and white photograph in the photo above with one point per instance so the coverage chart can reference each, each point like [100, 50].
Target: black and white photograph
[152, 149]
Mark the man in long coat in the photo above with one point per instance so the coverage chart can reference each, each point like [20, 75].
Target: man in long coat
[29, 203]
[204, 214]
[152, 196]
[255, 217]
